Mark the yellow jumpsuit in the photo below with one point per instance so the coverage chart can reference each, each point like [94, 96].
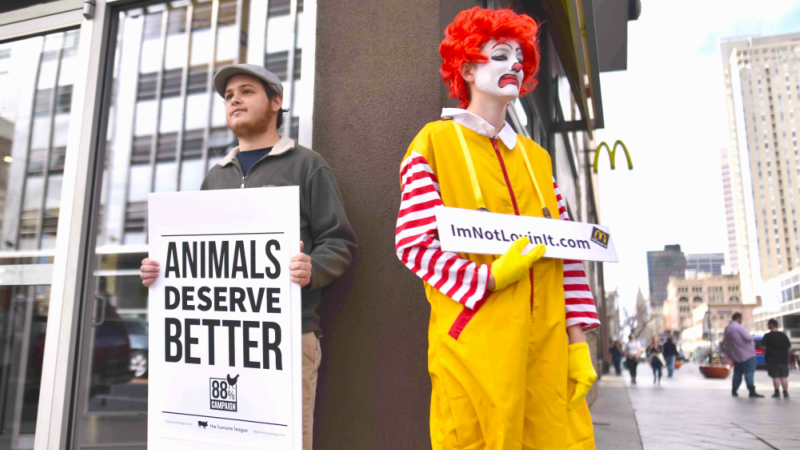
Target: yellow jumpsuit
[499, 373]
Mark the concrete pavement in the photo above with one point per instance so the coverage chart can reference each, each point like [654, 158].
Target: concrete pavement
[691, 412]
[613, 418]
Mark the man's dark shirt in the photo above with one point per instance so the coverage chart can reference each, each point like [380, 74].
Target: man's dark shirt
[776, 347]
[248, 158]
[670, 349]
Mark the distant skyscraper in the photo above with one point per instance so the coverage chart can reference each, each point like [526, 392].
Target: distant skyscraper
[661, 265]
[762, 84]
[730, 219]
[706, 263]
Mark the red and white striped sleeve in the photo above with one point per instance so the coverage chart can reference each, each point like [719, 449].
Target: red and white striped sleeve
[416, 238]
[578, 296]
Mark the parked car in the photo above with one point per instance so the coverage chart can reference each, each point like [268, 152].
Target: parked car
[138, 335]
[760, 362]
[112, 353]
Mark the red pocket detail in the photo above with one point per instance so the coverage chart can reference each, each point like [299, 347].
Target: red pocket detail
[461, 322]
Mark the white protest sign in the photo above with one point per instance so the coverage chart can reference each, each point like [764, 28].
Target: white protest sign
[468, 231]
[225, 339]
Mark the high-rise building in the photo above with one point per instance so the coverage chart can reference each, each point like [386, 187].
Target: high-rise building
[661, 265]
[730, 220]
[706, 263]
[762, 85]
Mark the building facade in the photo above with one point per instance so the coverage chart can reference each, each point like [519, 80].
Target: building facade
[708, 326]
[711, 263]
[695, 291]
[731, 252]
[612, 316]
[781, 301]
[103, 104]
[661, 266]
[762, 83]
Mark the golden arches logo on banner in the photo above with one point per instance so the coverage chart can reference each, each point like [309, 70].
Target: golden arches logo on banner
[611, 154]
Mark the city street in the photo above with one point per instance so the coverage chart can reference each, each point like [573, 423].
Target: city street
[690, 412]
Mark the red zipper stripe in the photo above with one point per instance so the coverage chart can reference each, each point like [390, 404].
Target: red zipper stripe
[513, 198]
[505, 175]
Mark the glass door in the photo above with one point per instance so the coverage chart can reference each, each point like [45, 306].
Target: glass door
[166, 127]
[36, 75]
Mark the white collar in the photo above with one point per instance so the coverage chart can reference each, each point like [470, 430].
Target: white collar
[479, 125]
[283, 145]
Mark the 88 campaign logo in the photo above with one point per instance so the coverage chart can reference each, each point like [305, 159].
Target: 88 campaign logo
[223, 393]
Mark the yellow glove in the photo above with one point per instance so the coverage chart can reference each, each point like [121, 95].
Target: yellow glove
[513, 265]
[581, 373]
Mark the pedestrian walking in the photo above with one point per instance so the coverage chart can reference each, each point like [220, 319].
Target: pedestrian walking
[253, 107]
[656, 358]
[776, 353]
[616, 357]
[670, 353]
[632, 352]
[739, 347]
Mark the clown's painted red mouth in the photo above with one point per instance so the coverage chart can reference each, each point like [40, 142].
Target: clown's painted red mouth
[507, 79]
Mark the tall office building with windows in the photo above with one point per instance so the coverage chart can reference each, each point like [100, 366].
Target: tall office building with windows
[731, 253]
[762, 86]
[706, 262]
[661, 265]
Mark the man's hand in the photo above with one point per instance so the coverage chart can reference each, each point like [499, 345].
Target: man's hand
[148, 271]
[580, 373]
[300, 268]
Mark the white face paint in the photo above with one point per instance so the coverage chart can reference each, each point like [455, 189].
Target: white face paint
[502, 74]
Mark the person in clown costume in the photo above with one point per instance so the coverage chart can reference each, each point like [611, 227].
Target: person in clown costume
[508, 360]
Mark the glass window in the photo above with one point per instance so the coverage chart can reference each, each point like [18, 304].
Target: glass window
[284, 59]
[167, 127]
[36, 75]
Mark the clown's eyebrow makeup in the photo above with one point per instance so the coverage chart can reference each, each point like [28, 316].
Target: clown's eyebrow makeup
[502, 43]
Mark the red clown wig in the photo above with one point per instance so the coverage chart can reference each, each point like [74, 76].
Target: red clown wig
[473, 28]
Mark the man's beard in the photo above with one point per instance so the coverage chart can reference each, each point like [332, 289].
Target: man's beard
[259, 125]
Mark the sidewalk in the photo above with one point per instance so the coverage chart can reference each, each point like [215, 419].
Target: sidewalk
[691, 412]
[613, 418]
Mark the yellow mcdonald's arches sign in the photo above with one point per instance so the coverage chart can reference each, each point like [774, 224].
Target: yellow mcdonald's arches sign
[611, 154]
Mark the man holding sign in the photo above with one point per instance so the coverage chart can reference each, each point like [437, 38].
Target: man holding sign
[508, 359]
[253, 105]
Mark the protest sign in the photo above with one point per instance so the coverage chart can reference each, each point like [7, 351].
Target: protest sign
[468, 231]
[225, 344]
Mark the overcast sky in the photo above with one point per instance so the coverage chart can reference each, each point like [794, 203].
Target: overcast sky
[669, 109]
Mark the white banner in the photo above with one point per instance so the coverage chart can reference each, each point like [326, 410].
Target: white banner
[468, 231]
[225, 338]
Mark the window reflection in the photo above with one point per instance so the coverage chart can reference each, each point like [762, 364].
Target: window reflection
[34, 120]
[167, 127]
[36, 75]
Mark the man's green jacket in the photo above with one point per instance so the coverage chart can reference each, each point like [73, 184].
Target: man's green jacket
[327, 235]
